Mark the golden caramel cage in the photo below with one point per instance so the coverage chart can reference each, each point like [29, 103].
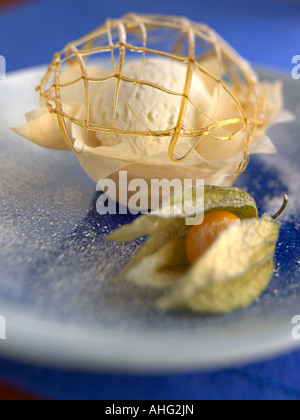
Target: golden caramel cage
[136, 37]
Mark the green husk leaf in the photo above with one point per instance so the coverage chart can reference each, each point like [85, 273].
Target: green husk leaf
[233, 272]
[142, 226]
[162, 268]
[230, 199]
[155, 242]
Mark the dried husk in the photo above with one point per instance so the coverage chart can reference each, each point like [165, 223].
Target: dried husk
[230, 275]
[162, 229]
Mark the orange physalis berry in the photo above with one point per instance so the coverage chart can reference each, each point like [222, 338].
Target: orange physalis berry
[201, 237]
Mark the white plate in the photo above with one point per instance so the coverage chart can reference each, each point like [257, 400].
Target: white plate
[57, 289]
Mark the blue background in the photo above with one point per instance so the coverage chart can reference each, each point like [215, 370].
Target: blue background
[265, 32]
